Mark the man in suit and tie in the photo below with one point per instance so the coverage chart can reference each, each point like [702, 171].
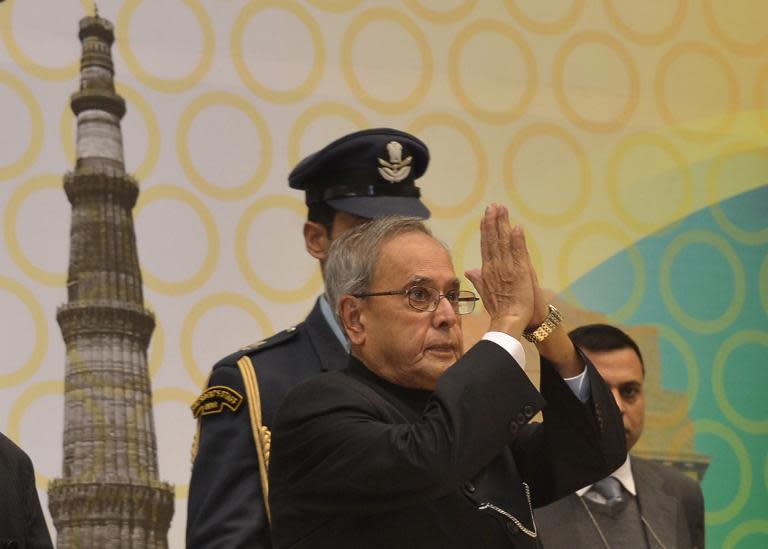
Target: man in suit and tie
[640, 505]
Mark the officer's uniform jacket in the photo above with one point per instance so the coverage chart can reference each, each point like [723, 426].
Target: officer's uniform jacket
[359, 462]
[226, 506]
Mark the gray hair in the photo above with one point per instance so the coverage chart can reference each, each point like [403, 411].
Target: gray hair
[352, 257]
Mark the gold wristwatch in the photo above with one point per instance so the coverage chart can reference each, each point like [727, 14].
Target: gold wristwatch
[553, 320]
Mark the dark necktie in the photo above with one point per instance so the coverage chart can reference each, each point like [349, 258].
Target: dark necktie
[611, 490]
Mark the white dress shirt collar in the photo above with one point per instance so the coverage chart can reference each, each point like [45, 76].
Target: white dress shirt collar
[623, 474]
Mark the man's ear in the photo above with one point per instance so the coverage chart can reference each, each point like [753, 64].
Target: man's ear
[349, 311]
[316, 240]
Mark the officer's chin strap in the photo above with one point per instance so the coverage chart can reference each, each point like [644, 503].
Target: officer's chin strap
[261, 435]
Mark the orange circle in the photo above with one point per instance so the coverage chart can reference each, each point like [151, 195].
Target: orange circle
[558, 69]
[758, 48]
[487, 115]
[387, 106]
[550, 27]
[761, 92]
[480, 184]
[557, 219]
[707, 50]
[648, 38]
[442, 16]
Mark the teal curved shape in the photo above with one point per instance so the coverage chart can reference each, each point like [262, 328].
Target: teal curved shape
[707, 279]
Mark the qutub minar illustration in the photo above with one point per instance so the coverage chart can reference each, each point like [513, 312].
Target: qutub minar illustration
[109, 494]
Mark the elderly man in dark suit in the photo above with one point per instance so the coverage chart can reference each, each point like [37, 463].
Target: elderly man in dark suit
[416, 443]
[360, 176]
[641, 504]
[22, 525]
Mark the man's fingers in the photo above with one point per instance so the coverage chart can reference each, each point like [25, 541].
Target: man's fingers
[518, 247]
[484, 244]
[475, 276]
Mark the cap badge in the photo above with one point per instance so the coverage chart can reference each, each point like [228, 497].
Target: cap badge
[396, 169]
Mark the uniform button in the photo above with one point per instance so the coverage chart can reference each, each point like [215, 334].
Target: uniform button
[520, 418]
[291, 329]
[528, 410]
[513, 427]
[512, 527]
[469, 487]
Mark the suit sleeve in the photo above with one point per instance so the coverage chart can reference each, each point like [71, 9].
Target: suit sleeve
[577, 443]
[337, 448]
[225, 507]
[36, 531]
[694, 506]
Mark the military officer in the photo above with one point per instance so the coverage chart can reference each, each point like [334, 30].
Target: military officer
[363, 175]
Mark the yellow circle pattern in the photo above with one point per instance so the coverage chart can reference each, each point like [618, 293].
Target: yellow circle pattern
[479, 186]
[196, 280]
[752, 426]
[719, 128]
[310, 288]
[454, 72]
[613, 179]
[304, 89]
[314, 113]
[30, 154]
[747, 528]
[732, 509]
[166, 85]
[682, 346]
[705, 326]
[43, 182]
[256, 180]
[35, 360]
[20, 406]
[442, 16]
[222, 299]
[556, 26]
[386, 106]
[21, 59]
[601, 228]
[750, 238]
[558, 82]
[645, 38]
[570, 214]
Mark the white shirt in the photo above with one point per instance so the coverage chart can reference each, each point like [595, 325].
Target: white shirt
[578, 384]
[623, 474]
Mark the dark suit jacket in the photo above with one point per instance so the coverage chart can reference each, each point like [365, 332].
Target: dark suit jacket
[358, 462]
[22, 525]
[671, 502]
[225, 508]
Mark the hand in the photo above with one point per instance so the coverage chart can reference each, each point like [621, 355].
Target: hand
[505, 281]
[540, 303]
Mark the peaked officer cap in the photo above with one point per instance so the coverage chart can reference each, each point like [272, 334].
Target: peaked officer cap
[370, 173]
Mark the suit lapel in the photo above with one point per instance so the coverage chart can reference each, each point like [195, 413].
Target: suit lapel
[330, 352]
[656, 505]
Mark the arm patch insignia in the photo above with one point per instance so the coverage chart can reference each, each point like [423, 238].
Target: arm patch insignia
[215, 399]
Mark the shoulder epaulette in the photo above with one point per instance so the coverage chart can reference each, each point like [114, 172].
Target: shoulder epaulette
[272, 341]
[264, 344]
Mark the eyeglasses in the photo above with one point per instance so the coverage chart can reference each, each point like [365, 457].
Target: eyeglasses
[426, 299]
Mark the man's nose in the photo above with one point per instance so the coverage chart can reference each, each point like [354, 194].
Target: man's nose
[445, 315]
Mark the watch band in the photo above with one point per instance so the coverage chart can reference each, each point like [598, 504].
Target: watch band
[553, 320]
